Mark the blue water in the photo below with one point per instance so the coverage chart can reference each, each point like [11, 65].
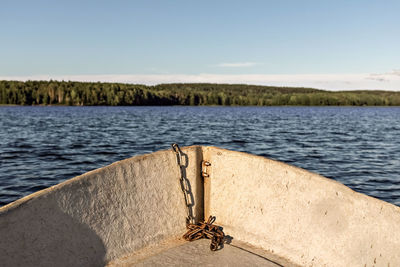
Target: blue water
[42, 146]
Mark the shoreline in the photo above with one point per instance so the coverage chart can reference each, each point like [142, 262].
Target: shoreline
[315, 106]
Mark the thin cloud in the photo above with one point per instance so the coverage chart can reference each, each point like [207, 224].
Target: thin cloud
[394, 72]
[237, 64]
[393, 75]
[332, 82]
[376, 78]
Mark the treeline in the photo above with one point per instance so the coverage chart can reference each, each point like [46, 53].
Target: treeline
[118, 94]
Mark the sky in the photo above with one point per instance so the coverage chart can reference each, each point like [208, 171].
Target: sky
[334, 45]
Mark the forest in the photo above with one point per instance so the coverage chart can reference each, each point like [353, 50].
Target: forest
[119, 94]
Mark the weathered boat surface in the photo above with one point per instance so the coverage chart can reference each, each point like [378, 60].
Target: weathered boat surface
[133, 212]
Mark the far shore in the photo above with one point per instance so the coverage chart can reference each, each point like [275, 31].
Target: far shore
[71, 93]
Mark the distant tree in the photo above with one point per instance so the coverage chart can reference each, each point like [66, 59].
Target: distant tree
[78, 93]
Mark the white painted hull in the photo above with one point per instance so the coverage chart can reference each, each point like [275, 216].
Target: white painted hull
[295, 216]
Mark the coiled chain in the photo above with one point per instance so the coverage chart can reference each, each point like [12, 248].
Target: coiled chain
[200, 229]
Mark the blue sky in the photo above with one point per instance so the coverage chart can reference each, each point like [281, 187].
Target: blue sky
[326, 44]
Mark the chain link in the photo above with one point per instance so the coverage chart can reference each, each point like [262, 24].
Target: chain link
[200, 229]
[208, 230]
[184, 182]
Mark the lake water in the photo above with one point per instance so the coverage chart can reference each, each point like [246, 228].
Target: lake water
[42, 146]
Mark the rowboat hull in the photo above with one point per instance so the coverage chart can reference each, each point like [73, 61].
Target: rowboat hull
[294, 216]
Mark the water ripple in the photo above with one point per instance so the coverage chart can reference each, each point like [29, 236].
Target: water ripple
[42, 146]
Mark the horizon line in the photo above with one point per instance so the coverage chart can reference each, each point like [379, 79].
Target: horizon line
[389, 81]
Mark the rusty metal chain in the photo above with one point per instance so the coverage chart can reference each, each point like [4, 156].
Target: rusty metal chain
[184, 182]
[201, 229]
[208, 230]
